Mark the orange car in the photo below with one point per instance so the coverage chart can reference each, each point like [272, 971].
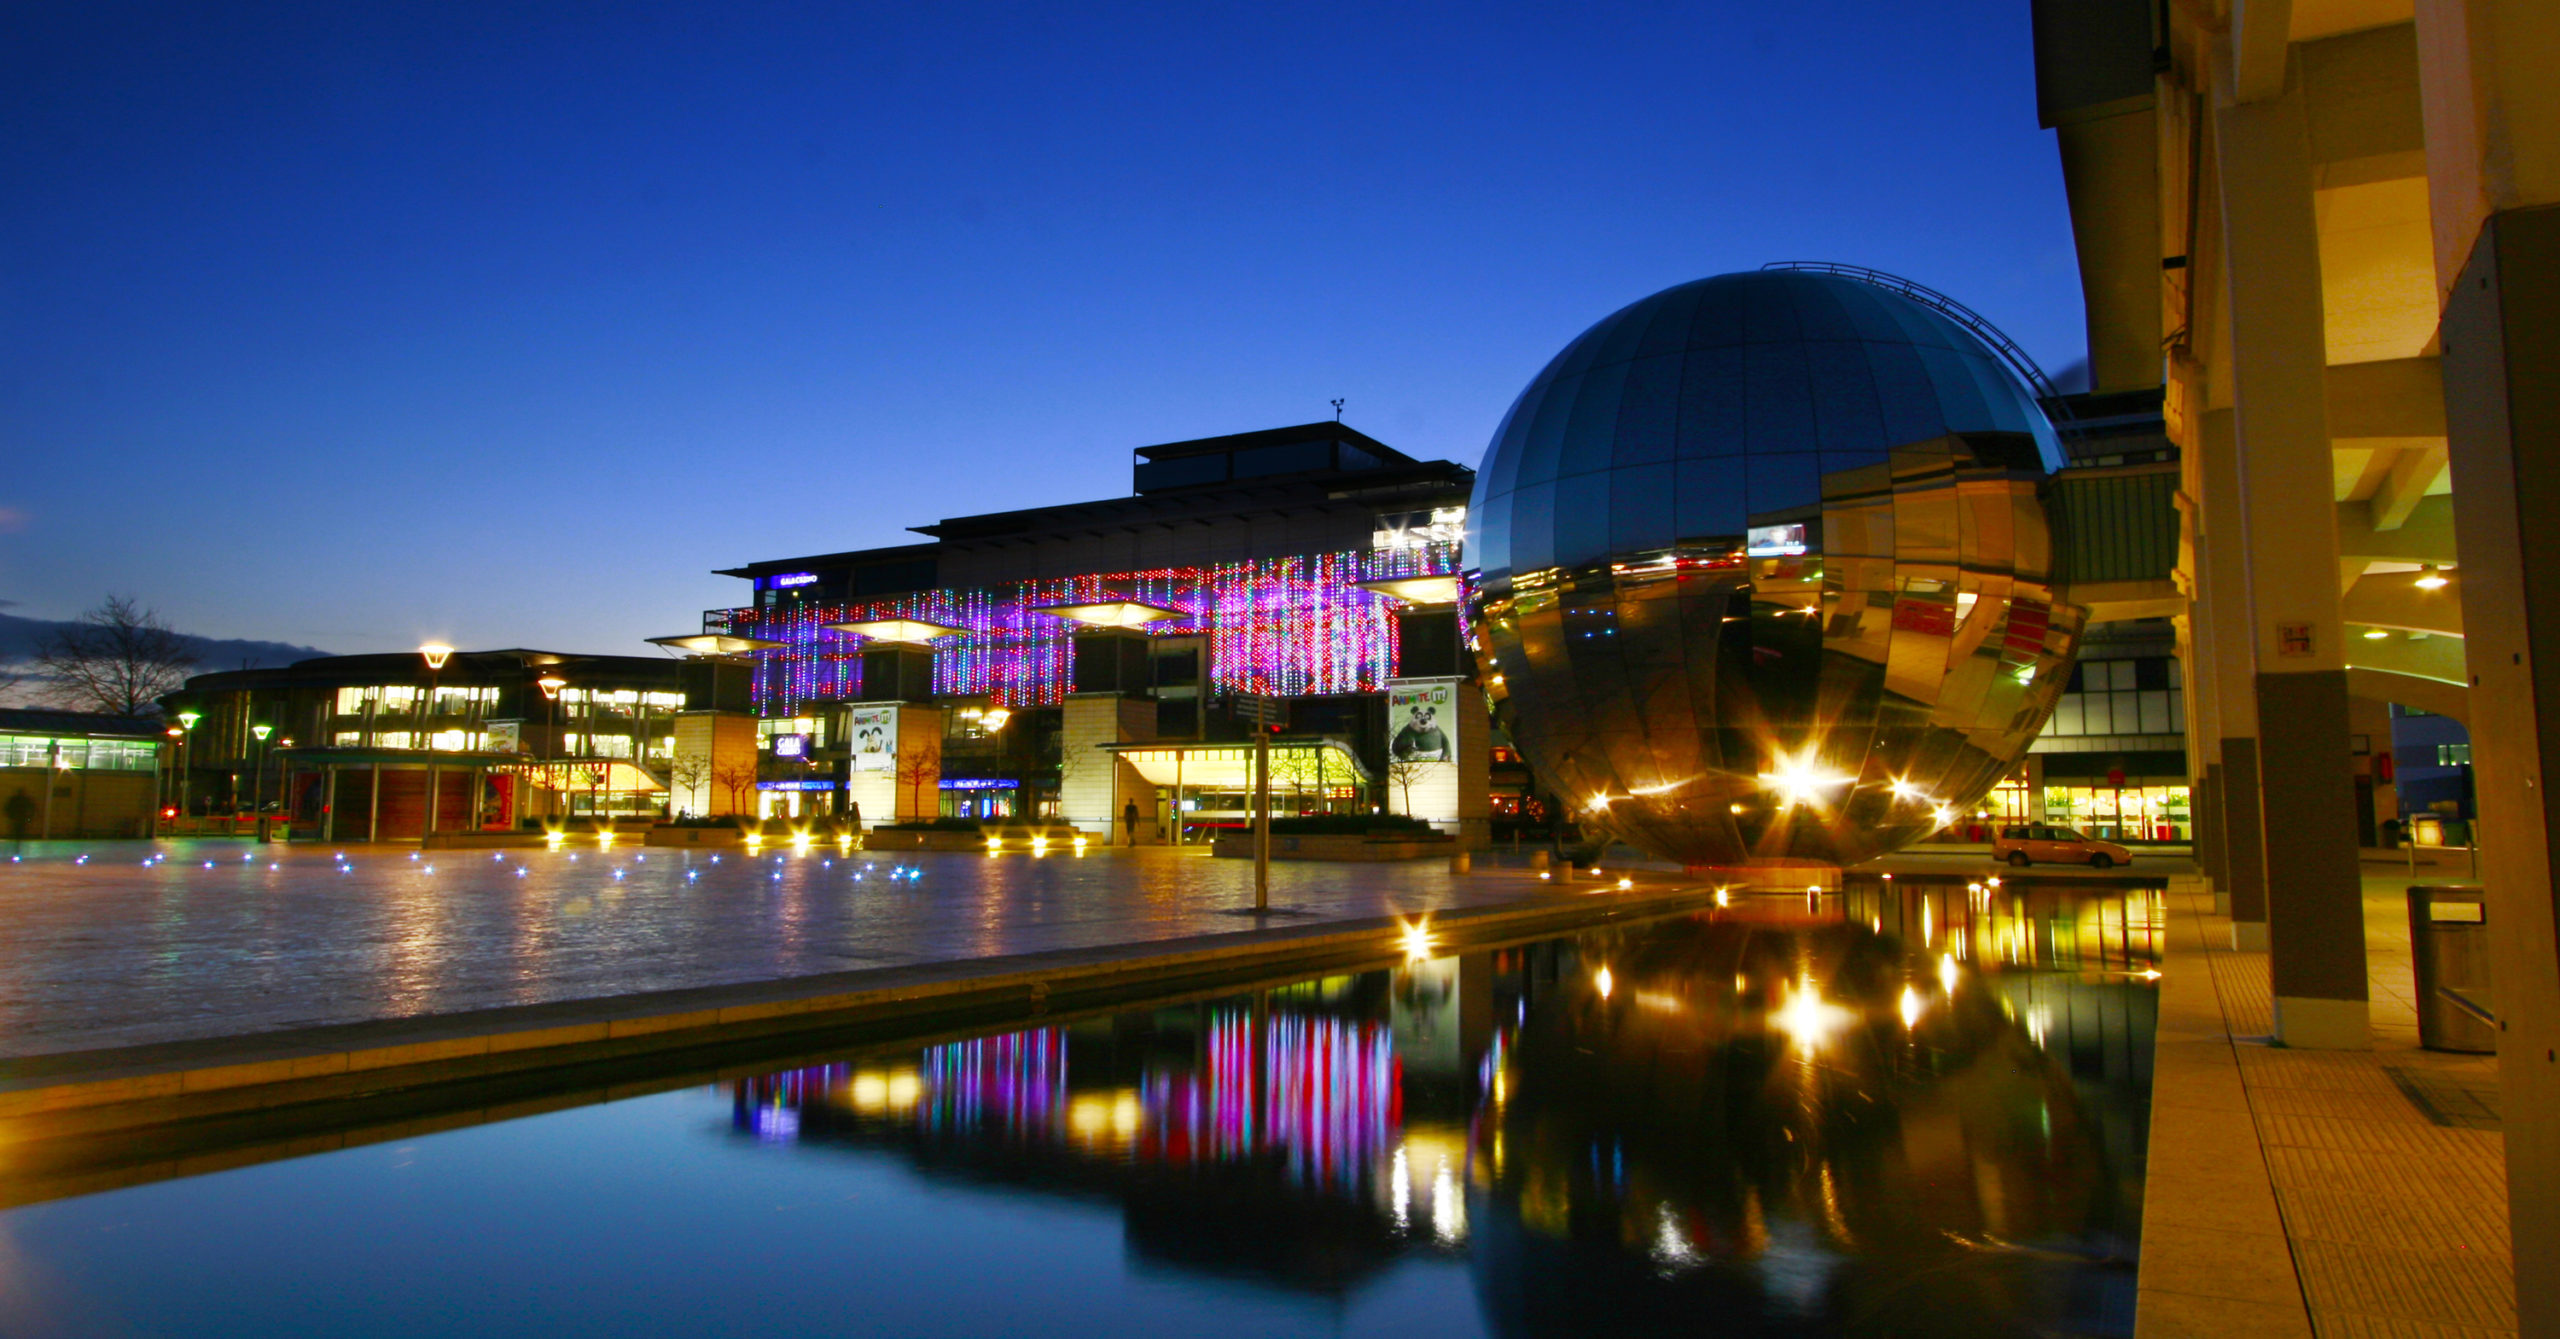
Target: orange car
[2027, 843]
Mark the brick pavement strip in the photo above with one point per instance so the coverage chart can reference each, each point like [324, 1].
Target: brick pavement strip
[2386, 1222]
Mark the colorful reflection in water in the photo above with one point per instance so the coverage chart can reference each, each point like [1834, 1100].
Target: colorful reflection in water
[1915, 1110]
[1919, 1110]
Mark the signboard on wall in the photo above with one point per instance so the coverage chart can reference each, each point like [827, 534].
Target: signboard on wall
[1422, 721]
[506, 736]
[873, 735]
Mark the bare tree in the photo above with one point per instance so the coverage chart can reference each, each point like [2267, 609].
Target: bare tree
[118, 658]
[1403, 772]
[916, 768]
[691, 773]
[739, 779]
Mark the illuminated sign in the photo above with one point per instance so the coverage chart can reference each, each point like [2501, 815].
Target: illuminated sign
[1775, 541]
[790, 579]
[978, 783]
[791, 746]
[796, 785]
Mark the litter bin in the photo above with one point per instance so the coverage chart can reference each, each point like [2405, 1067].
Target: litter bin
[2449, 952]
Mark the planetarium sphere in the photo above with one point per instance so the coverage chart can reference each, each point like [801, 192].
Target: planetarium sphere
[1763, 572]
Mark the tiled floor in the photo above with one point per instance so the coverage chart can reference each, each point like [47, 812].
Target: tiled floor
[2317, 1192]
[206, 943]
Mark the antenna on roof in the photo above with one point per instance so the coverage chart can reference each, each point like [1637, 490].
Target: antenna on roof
[1337, 411]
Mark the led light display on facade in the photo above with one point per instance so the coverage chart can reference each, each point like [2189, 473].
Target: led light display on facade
[1285, 627]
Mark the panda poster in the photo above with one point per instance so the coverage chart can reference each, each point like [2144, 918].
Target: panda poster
[1422, 720]
[873, 734]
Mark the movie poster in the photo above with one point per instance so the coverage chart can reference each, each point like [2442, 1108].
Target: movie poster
[1424, 720]
[873, 733]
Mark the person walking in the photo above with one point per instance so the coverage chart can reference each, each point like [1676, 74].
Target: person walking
[1129, 823]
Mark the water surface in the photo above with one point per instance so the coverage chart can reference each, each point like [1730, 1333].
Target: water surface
[1920, 1111]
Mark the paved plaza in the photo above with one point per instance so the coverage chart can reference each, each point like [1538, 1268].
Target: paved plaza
[216, 939]
[2293, 1193]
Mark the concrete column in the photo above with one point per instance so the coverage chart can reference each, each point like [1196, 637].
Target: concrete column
[2279, 383]
[2204, 752]
[2493, 167]
[2229, 672]
[2501, 341]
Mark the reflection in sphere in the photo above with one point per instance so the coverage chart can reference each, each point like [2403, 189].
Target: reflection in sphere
[1763, 571]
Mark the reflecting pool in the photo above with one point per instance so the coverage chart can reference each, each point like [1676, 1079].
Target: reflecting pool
[1914, 1109]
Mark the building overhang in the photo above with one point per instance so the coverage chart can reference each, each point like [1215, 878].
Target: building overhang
[902, 631]
[1421, 590]
[717, 644]
[1109, 613]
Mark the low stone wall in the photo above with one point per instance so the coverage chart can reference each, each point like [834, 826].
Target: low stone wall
[1009, 838]
[1337, 846]
[484, 841]
[721, 835]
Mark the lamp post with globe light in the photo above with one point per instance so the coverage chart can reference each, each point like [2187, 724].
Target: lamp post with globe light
[258, 779]
[435, 653]
[186, 741]
[551, 684]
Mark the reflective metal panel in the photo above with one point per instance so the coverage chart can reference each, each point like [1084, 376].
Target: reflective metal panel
[1763, 571]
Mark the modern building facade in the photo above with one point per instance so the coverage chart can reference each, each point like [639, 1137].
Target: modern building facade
[2328, 231]
[1076, 661]
[381, 747]
[78, 774]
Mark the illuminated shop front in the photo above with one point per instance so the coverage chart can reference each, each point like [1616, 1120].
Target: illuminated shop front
[2138, 810]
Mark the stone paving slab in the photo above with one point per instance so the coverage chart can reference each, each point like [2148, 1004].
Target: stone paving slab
[2390, 1215]
[201, 942]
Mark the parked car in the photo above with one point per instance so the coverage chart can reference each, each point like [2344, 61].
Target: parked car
[2027, 843]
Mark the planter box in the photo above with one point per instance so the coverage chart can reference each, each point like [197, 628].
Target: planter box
[1011, 837]
[1337, 846]
[724, 835]
[483, 841]
[884, 839]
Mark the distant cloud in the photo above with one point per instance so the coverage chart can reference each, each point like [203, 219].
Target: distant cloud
[12, 520]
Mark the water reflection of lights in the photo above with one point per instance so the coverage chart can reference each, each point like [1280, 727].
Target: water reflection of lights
[1801, 779]
[1672, 1250]
[1912, 1006]
[1807, 1018]
[1947, 972]
[1603, 982]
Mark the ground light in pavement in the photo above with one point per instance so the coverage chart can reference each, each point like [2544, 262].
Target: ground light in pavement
[1619, 1132]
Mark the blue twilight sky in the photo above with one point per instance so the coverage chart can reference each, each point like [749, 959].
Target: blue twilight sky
[354, 324]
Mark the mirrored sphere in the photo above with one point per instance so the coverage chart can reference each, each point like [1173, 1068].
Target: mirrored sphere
[1763, 571]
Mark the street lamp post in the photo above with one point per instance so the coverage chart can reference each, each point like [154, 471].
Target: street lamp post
[551, 684]
[186, 749]
[258, 781]
[53, 762]
[436, 653]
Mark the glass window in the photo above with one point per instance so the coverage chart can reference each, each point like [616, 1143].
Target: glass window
[1640, 509]
[1582, 519]
[1778, 399]
[1708, 497]
[1288, 458]
[1649, 411]
[1783, 483]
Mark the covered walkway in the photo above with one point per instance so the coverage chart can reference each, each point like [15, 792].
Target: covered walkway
[2329, 1193]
